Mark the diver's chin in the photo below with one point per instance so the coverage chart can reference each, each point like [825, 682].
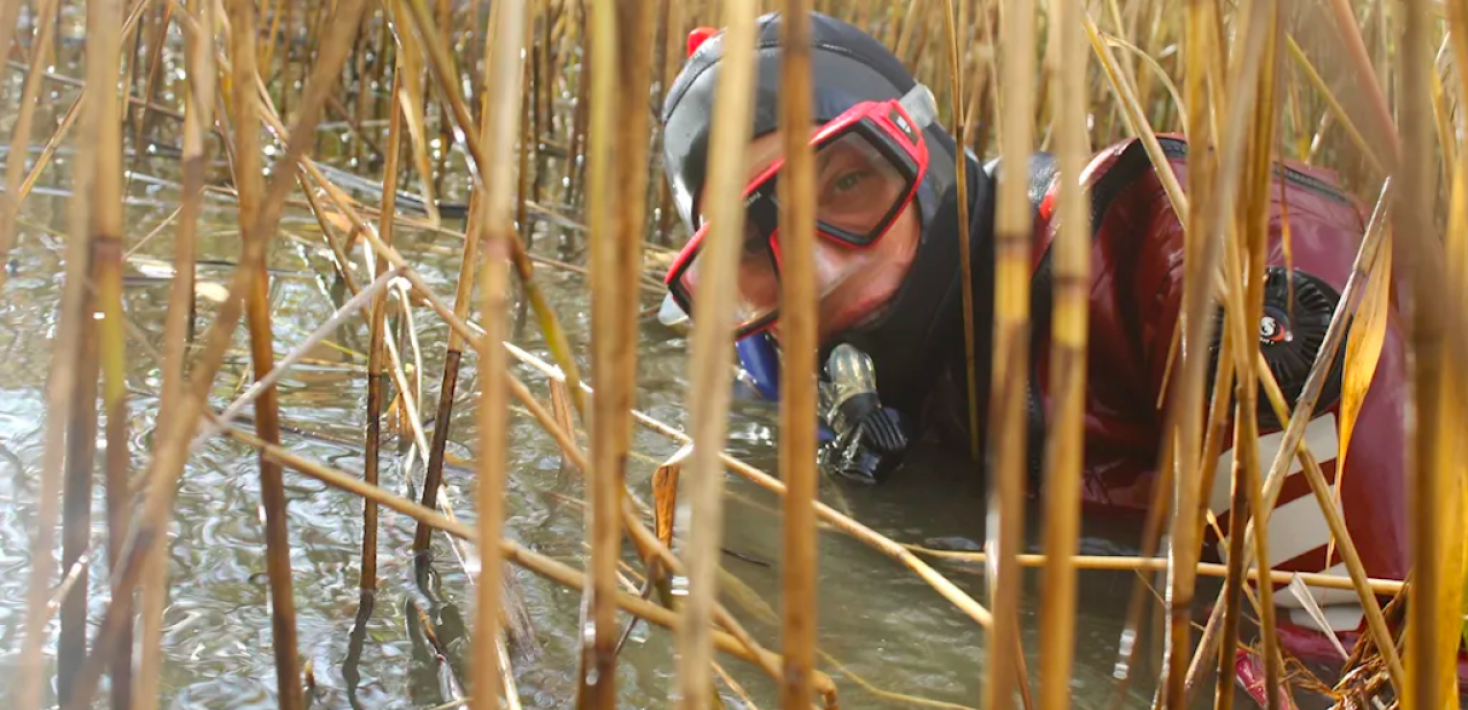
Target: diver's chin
[874, 315]
[870, 315]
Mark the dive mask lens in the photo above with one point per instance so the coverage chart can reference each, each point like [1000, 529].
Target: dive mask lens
[860, 188]
[757, 280]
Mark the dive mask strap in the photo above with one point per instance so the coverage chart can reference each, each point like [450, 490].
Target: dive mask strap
[922, 108]
[920, 105]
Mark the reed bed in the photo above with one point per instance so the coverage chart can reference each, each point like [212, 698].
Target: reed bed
[518, 141]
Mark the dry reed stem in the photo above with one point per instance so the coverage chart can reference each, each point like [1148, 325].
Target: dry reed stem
[539, 564]
[267, 52]
[1136, 120]
[798, 340]
[106, 228]
[1064, 453]
[646, 541]
[1450, 632]
[343, 203]
[598, 684]
[1255, 226]
[377, 377]
[1185, 411]
[1292, 444]
[249, 185]
[54, 143]
[1218, 424]
[1457, 16]
[1336, 110]
[665, 494]
[1366, 588]
[1121, 563]
[507, 672]
[619, 37]
[735, 687]
[877, 541]
[198, 119]
[463, 297]
[576, 142]
[530, 146]
[61, 384]
[443, 68]
[1443, 120]
[20, 136]
[297, 354]
[965, 262]
[8, 16]
[1244, 264]
[48, 151]
[51, 76]
[1157, 514]
[493, 416]
[68, 583]
[634, 81]
[1367, 80]
[1010, 380]
[1143, 58]
[1239, 507]
[169, 456]
[155, 43]
[674, 44]
[412, 100]
[76, 504]
[710, 376]
[1428, 670]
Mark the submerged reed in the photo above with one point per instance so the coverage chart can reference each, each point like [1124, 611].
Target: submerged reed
[566, 93]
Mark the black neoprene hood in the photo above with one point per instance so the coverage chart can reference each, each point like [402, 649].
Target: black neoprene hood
[848, 66]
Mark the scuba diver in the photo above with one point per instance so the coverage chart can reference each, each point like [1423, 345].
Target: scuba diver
[892, 327]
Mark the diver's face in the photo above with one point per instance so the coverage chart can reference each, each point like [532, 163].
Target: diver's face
[868, 278]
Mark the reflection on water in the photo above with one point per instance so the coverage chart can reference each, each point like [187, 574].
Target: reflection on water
[407, 646]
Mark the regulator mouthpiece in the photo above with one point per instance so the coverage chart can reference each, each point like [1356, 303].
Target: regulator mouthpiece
[852, 374]
[869, 437]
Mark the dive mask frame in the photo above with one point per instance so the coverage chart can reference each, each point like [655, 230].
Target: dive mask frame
[893, 127]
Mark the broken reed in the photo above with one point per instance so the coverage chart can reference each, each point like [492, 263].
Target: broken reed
[908, 24]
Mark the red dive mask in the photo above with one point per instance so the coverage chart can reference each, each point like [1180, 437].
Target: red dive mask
[869, 162]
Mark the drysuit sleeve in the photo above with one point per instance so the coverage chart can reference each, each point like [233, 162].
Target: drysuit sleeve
[1315, 231]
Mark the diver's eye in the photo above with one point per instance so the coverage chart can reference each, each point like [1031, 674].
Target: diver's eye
[753, 247]
[850, 179]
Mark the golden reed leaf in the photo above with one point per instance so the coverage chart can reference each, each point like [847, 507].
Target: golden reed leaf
[1454, 505]
[1363, 350]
